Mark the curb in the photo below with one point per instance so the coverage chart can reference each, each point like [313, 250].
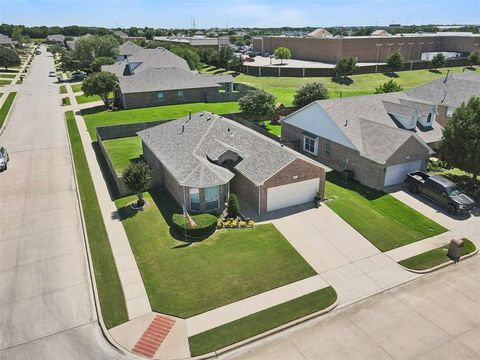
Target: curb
[7, 117]
[441, 266]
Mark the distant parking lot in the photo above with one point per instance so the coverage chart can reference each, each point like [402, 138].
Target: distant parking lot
[293, 63]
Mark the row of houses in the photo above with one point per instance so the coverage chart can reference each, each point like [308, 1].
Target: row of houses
[203, 157]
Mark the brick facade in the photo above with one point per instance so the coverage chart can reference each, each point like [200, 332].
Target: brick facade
[364, 48]
[340, 157]
[146, 99]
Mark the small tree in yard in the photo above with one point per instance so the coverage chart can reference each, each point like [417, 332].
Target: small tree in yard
[138, 179]
[438, 61]
[101, 84]
[345, 67]
[8, 57]
[257, 103]
[282, 53]
[96, 64]
[233, 206]
[309, 93]
[396, 61]
[460, 145]
[474, 57]
[388, 87]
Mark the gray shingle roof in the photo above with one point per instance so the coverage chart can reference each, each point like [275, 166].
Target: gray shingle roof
[5, 40]
[56, 37]
[154, 79]
[206, 136]
[129, 48]
[399, 109]
[457, 89]
[120, 33]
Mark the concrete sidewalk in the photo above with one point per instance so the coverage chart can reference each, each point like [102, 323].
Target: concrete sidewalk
[133, 288]
[253, 304]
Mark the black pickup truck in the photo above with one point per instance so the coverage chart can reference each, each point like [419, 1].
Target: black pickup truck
[440, 190]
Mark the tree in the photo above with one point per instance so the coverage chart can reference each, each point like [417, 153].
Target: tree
[225, 55]
[190, 56]
[68, 62]
[309, 93]
[388, 87]
[460, 145]
[282, 53]
[257, 103]
[138, 179]
[233, 206]
[96, 64]
[101, 84]
[396, 61]
[8, 57]
[89, 48]
[474, 57]
[55, 49]
[438, 61]
[345, 67]
[236, 64]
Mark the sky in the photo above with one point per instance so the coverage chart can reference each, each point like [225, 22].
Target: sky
[236, 13]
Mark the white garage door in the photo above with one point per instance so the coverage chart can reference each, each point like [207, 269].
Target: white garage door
[395, 174]
[301, 192]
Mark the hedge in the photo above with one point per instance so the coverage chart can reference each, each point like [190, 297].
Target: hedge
[206, 225]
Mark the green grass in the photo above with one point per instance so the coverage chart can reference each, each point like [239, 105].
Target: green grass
[7, 76]
[66, 100]
[100, 117]
[77, 87]
[6, 107]
[83, 99]
[434, 257]
[5, 82]
[284, 88]
[249, 326]
[19, 81]
[463, 181]
[110, 291]
[63, 89]
[185, 279]
[123, 151]
[385, 221]
[275, 129]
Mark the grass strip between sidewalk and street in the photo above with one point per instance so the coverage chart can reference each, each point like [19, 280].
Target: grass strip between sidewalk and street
[6, 107]
[112, 301]
[260, 322]
[435, 257]
[63, 89]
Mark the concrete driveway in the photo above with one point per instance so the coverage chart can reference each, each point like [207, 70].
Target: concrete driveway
[341, 255]
[46, 304]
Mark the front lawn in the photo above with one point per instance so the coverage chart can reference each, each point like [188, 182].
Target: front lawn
[184, 279]
[5, 82]
[112, 301]
[83, 99]
[434, 257]
[249, 326]
[98, 116]
[63, 89]
[123, 151]
[8, 76]
[385, 221]
[77, 87]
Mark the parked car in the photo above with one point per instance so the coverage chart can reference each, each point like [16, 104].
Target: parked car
[441, 190]
[52, 74]
[38, 52]
[78, 75]
[3, 158]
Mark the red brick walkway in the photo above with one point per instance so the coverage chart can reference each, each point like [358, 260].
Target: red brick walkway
[153, 337]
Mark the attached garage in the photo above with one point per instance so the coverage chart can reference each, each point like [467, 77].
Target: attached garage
[396, 174]
[301, 192]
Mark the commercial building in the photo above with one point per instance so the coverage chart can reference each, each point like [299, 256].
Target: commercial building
[197, 41]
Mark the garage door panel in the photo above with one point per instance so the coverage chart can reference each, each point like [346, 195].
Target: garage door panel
[395, 174]
[297, 193]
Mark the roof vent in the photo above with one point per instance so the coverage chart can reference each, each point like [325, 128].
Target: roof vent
[444, 96]
[346, 122]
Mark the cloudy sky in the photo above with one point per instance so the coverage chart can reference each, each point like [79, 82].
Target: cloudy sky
[235, 13]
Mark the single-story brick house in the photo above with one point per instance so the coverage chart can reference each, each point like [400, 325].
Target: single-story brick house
[153, 77]
[202, 158]
[380, 138]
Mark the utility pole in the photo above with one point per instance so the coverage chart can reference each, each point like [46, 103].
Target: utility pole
[400, 47]
[378, 55]
[420, 53]
[389, 48]
[410, 53]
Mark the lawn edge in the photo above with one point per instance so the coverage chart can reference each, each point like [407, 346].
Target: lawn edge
[7, 116]
[441, 266]
[254, 339]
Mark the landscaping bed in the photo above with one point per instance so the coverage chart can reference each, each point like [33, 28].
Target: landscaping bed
[249, 326]
[383, 220]
[435, 257]
[185, 279]
[110, 292]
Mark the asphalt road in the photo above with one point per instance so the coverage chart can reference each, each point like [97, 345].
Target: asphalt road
[46, 303]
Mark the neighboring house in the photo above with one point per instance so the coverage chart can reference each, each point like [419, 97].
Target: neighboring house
[202, 158]
[126, 37]
[153, 77]
[380, 32]
[7, 41]
[320, 33]
[57, 38]
[127, 49]
[448, 93]
[377, 137]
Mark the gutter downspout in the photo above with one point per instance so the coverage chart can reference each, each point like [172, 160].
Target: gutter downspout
[259, 198]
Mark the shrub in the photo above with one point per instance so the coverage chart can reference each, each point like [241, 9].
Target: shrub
[233, 206]
[257, 103]
[388, 87]
[206, 225]
[309, 93]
